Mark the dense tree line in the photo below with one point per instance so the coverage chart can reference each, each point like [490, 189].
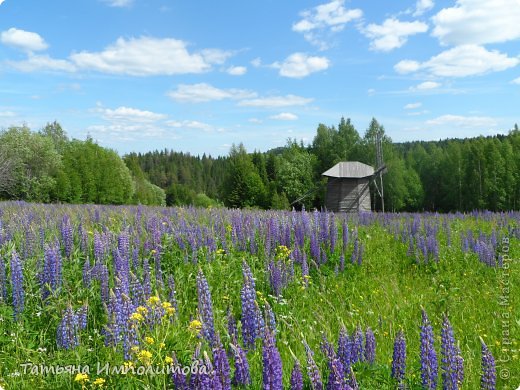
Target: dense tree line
[46, 166]
[447, 175]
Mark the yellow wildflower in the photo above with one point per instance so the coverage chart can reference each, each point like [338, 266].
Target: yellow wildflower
[135, 349]
[136, 317]
[166, 305]
[170, 311]
[142, 310]
[162, 345]
[195, 326]
[128, 364]
[168, 360]
[153, 300]
[100, 382]
[80, 377]
[149, 340]
[145, 356]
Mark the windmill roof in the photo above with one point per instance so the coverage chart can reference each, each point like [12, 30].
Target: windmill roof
[349, 169]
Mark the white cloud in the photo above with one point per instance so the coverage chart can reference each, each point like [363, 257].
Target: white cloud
[516, 81]
[202, 92]
[257, 62]
[392, 34]
[24, 40]
[7, 114]
[187, 124]
[236, 70]
[299, 65]
[461, 61]
[427, 85]
[284, 116]
[423, 6]
[411, 106]
[325, 19]
[1, 1]
[463, 121]
[130, 114]
[406, 66]
[42, 63]
[119, 3]
[148, 56]
[478, 22]
[276, 101]
[255, 120]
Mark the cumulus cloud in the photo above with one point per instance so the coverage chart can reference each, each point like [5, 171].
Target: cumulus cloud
[516, 81]
[461, 61]
[423, 6]
[284, 116]
[42, 63]
[148, 56]
[318, 22]
[202, 92]
[392, 34]
[463, 121]
[411, 106]
[478, 22]
[276, 101]
[24, 40]
[427, 85]
[236, 70]
[299, 65]
[130, 114]
[189, 124]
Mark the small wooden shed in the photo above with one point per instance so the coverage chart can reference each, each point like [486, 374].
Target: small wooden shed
[348, 187]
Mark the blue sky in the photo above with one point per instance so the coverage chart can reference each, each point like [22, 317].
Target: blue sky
[197, 76]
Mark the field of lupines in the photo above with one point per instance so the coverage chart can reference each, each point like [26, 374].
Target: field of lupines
[135, 297]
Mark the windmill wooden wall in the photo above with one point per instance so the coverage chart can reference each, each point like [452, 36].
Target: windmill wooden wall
[348, 187]
[348, 195]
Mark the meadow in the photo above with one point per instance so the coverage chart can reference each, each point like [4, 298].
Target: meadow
[108, 296]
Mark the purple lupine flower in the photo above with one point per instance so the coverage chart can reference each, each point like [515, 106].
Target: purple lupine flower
[270, 320]
[399, 359]
[312, 369]
[370, 346]
[429, 365]
[205, 308]
[333, 233]
[67, 332]
[336, 380]
[178, 378]
[305, 269]
[17, 285]
[50, 275]
[249, 312]
[488, 378]
[357, 346]
[242, 375]
[345, 235]
[87, 276]
[460, 366]
[221, 364]
[3, 282]
[147, 286]
[344, 348]
[342, 262]
[67, 235]
[359, 258]
[232, 326]
[354, 256]
[296, 380]
[136, 291]
[81, 316]
[449, 357]
[272, 364]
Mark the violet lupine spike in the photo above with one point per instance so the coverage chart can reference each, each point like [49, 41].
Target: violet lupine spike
[399, 359]
[178, 378]
[429, 364]
[17, 285]
[82, 316]
[3, 281]
[460, 366]
[336, 380]
[345, 235]
[344, 348]
[313, 371]
[250, 320]
[50, 275]
[67, 235]
[242, 375]
[488, 377]
[449, 352]
[272, 364]
[357, 346]
[296, 381]
[221, 365]
[172, 293]
[67, 332]
[232, 326]
[205, 308]
[270, 320]
[370, 346]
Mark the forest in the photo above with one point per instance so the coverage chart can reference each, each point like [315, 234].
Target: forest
[446, 176]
